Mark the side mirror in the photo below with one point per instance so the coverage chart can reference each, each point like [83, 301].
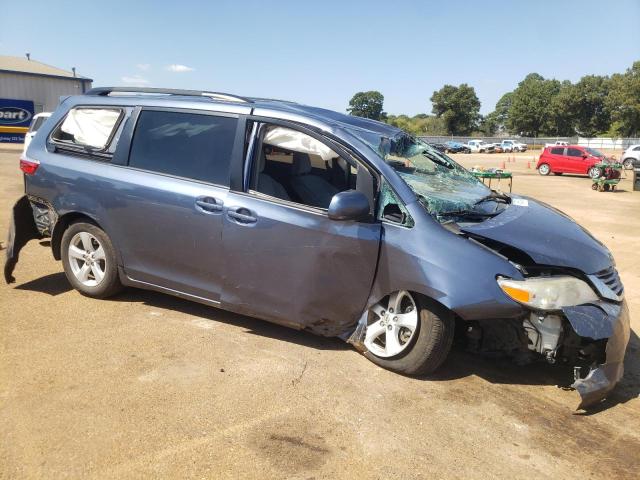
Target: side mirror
[349, 205]
[584, 155]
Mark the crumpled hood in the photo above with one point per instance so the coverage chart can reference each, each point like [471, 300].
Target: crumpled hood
[546, 235]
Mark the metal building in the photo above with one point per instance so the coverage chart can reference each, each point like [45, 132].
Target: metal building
[28, 87]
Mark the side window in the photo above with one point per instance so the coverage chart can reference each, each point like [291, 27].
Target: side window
[294, 166]
[574, 152]
[392, 209]
[35, 124]
[637, 149]
[87, 128]
[189, 145]
[557, 151]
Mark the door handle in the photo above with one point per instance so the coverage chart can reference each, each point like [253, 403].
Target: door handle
[241, 215]
[209, 204]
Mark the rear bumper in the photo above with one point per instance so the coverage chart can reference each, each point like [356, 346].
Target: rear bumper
[611, 321]
[21, 230]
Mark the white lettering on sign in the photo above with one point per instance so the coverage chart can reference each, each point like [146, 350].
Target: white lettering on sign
[10, 115]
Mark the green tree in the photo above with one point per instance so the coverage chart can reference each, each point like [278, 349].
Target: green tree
[459, 107]
[421, 124]
[496, 121]
[367, 104]
[623, 102]
[580, 108]
[489, 124]
[562, 114]
[530, 110]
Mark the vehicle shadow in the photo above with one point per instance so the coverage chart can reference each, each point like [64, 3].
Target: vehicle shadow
[459, 364]
[253, 326]
[503, 370]
[52, 284]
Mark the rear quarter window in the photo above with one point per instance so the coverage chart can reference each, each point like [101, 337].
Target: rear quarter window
[88, 128]
[557, 151]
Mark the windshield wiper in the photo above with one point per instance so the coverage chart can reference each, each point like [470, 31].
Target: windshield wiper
[494, 196]
[463, 213]
[435, 159]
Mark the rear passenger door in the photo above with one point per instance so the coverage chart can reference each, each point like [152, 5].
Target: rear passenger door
[168, 204]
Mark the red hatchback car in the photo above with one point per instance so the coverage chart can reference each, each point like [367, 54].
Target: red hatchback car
[569, 159]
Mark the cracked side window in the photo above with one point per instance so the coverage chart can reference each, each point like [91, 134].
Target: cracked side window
[392, 209]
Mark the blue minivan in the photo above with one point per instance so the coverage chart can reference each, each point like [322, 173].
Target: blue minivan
[317, 220]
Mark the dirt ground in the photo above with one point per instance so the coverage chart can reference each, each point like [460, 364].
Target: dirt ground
[146, 385]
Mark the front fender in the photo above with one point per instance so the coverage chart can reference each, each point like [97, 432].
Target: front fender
[449, 268]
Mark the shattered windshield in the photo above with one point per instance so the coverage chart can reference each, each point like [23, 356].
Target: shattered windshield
[445, 188]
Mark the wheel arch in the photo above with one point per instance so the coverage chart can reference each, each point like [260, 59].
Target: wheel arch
[64, 222]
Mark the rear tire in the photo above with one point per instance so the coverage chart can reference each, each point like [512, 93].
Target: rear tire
[89, 260]
[627, 164]
[426, 348]
[544, 169]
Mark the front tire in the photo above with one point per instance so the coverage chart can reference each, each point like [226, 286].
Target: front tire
[409, 334]
[628, 164]
[89, 260]
[594, 172]
[544, 169]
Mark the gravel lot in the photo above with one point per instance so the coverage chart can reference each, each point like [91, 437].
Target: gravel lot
[149, 385]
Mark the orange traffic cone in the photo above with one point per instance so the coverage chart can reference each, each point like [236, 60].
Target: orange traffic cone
[503, 166]
[529, 165]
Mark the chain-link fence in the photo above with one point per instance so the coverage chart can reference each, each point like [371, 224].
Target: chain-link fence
[541, 142]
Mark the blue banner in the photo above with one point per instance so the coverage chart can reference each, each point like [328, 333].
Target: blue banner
[15, 118]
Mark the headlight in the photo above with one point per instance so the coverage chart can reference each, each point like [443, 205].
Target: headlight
[548, 293]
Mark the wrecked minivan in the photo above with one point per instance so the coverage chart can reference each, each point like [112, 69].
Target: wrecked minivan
[320, 221]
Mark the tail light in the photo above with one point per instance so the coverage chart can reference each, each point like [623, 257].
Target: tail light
[28, 165]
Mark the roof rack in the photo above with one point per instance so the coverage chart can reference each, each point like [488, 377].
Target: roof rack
[227, 97]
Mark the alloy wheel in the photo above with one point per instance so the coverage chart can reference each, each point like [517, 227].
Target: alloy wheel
[395, 323]
[87, 259]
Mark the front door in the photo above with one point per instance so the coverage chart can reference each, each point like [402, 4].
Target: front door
[285, 260]
[574, 160]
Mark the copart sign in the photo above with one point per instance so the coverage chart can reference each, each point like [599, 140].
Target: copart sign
[15, 117]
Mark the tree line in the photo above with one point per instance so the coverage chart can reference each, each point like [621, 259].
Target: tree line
[595, 105]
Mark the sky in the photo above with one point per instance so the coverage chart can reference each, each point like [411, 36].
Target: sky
[322, 52]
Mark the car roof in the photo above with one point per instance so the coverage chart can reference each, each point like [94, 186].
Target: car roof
[230, 102]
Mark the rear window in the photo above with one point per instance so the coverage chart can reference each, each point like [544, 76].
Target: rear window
[189, 145]
[91, 128]
[557, 151]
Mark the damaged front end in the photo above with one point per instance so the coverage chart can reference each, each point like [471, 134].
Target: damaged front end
[606, 325]
[591, 336]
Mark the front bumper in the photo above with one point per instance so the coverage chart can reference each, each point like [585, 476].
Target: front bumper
[601, 320]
